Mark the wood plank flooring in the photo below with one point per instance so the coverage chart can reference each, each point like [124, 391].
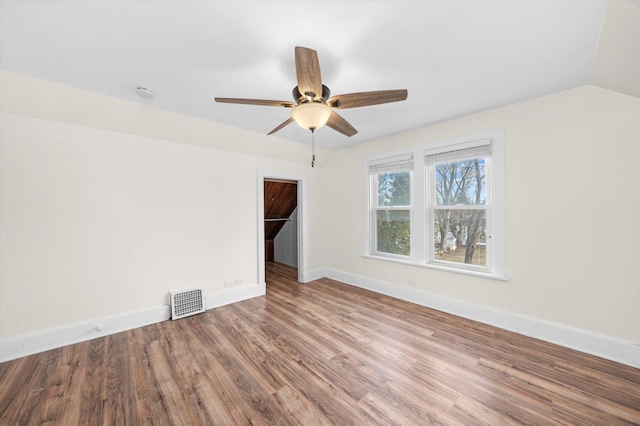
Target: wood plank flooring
[317, 354]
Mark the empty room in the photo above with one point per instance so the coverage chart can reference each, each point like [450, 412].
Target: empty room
[320, 212]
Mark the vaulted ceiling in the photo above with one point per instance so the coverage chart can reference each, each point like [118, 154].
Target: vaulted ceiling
[454, 57]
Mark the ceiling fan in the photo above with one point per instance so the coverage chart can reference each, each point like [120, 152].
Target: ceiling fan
[313, 106]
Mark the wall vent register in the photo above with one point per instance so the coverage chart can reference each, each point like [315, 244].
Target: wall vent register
[187, 302]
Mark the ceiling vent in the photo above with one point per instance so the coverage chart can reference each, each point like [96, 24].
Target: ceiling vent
[145, 93]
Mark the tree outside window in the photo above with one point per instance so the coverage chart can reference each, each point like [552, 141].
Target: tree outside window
[459, 213]
[392, 221]
[439, 205]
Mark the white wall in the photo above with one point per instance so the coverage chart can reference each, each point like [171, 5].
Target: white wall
[285, 244]
[572, 213]
[101, 213]
[99, 223]
[616, 63]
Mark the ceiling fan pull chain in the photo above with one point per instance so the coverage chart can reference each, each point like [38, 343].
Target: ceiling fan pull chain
[313, 147]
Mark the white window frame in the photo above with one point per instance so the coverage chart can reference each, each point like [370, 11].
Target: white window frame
[388, 164]
[453, 153]
[422, 208]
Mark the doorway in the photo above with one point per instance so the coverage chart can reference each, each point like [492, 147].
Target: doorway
[281, 226]
[280, 222]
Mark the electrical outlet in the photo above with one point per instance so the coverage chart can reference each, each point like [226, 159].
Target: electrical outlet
[228, 283]
[411, 283]
[238, 282]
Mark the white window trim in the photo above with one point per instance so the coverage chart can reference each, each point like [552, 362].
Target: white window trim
[402, 156]
[452, 153]
[418, 216]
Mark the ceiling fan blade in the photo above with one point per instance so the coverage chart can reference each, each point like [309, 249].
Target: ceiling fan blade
[263, 102]
[286, 123]
[354, 100]
[308, 72]
[336, 122]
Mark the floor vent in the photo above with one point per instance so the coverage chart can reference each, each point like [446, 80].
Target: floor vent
[186, 302]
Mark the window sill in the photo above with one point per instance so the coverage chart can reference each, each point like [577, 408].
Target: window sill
[440, 268]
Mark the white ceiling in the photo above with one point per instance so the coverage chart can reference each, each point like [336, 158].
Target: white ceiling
[454, 57]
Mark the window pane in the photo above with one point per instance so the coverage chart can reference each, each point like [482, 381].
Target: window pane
[459, 236]
[461, 182]
[393, 228]
[394, 189]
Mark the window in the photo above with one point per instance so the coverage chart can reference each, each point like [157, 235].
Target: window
[440, 205]
[458, 206]
[390, 185]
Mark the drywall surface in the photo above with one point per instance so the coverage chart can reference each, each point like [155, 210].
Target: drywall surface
[572, 206]
[35, 97]
[286, 242]
[99, 223]
[616, 64]
[101, 217]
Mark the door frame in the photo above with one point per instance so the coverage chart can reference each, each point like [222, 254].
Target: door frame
[301, 219]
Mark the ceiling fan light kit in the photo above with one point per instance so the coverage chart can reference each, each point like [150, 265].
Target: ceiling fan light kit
[313, 107]
[312, 115]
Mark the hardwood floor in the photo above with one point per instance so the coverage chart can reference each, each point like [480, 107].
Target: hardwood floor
[315, 354]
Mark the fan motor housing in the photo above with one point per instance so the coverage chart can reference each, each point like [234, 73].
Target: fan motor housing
[300, 98]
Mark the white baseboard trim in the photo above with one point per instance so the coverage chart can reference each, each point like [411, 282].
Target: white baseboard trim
[315, 274]
[234, 295]
[584, 341]
[574, 338]
[33, 343]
